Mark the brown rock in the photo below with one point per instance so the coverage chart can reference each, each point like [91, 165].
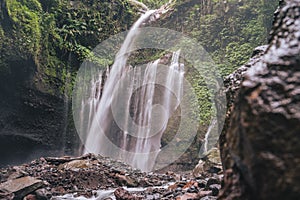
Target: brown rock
[204, 193]
[209, 163]
[188, 196]
[261, 146]
[122, 194]
[30, 197]
[20, 187]
[126, 180]
[6, 196]
[43, 194]
[74, 165]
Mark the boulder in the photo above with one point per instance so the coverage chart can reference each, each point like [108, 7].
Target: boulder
[20, 187]
[122, 194]
[260, 147]
[74, 165]
[232, 84]
[210, 163]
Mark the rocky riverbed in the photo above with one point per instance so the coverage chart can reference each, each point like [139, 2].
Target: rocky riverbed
[97, 177]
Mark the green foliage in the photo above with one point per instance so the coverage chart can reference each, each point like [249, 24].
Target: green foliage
[237, 54]
[58, 35]
[3, 64]
[27, 33]
[154, 4]
[228, 30]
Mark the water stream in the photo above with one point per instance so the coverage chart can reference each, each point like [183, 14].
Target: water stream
[103, 194]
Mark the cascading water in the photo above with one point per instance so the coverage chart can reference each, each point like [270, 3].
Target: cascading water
[126, 132]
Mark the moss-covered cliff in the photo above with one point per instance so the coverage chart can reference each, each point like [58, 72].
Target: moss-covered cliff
[57, 35]
[42, 44]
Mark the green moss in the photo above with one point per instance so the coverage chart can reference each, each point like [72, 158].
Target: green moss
[59, 35]
[26, 27]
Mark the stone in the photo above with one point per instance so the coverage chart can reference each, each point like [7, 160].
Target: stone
[260, 147]
[215, 188]
[210, 163]
[188, 196]
[30, 197]
[202, 183]
[212, 181]
[204, 193]
[43, 194]
[208, 198]
[122, 194]
[232, 84]
[6, 196]
[74, 164]
[20, 187]
[126, 180]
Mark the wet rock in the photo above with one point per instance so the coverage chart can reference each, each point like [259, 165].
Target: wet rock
[126, 180]
[153, 196]
[11, 173]
[167, 193]
[179, 189]
[211, 163]
[208, 198]
[261, 147]
[232, 84]
[199, 169]
[212, 181]
[30, 197]
[201, 183]
[122, 194]
[43, 194]
[33, 119]
[188, 196]
[192, 189]
[6, 196]
[97, 177]
[215, 188]
[190, 185]
[75, 164]
[20, 187]
[204, 193]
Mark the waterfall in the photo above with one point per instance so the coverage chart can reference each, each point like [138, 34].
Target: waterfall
[131, 132]
[211, 138]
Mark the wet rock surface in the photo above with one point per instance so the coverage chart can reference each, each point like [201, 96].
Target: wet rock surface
[19, 187]
[99, 177]
[232, 84]
[210, 163]
[260, 148]
[31, 120]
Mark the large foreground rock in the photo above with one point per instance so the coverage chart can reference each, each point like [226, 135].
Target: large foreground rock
[20, 187]
[261, 146]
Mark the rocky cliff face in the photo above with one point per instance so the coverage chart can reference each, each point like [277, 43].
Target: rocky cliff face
[32, 123]
[261, 146]
[42, 44]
